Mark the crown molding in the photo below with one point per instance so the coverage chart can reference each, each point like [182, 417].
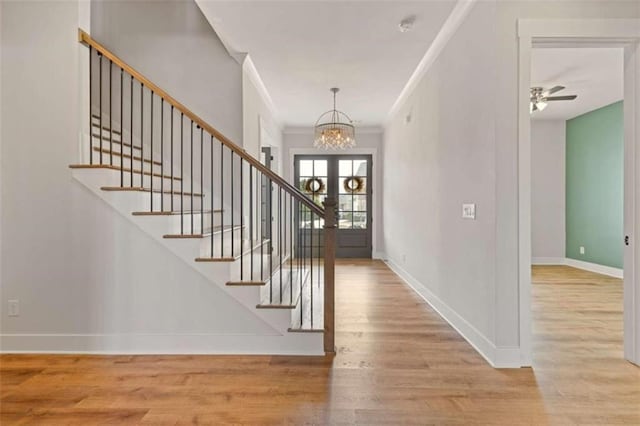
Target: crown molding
[449, 28]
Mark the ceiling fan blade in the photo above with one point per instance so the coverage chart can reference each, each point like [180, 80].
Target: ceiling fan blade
[553, 90]
[561, 98]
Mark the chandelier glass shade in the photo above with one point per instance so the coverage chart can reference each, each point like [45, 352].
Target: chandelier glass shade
[334, 130]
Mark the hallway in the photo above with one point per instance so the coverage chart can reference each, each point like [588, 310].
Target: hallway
[398, 362]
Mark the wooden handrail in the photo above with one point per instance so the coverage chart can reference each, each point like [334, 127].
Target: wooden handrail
[86, 39]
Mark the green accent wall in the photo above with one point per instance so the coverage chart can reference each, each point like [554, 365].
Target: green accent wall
[594, 191]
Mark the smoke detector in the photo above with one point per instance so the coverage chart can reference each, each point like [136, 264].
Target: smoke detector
[406, 24]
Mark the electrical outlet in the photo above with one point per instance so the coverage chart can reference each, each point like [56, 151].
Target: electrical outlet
[14, 308]
[581, 250]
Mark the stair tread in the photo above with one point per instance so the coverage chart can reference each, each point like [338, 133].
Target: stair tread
[252, 247]
[119, 154]
[106, 138]
[105, 128]
[124, 169]
[141, 189]
[208, 232]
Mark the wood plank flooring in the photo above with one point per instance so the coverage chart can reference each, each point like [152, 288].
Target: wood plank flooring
[398, 362]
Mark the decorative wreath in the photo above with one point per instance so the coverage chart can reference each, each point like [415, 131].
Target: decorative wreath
[314, 186]
[353, 184]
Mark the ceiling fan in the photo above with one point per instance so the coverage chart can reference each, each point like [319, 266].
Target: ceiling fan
[540, 97]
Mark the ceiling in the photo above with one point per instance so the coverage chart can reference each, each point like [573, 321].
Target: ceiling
[303, 48]
[594, 74]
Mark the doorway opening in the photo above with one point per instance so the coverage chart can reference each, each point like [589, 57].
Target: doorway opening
[577, 183]
[582, 33]
[347, 178]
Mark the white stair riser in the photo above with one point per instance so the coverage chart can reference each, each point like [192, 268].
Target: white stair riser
[141, 201]
[223, 247]
[221, 244]
[176, 221]
[246, 274]
[127, 163]
[135, 180]
[112, 143]
[115, 147]
[177, 200]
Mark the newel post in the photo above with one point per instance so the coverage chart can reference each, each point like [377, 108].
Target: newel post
[329, 274]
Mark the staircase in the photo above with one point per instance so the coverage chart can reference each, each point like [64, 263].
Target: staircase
[205, 199]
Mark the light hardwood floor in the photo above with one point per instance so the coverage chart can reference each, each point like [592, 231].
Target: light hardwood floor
[398, 362]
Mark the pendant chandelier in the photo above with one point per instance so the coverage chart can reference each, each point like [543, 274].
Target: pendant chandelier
[334, 130]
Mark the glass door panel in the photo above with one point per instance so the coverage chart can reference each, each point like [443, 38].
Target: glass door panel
[345, 177]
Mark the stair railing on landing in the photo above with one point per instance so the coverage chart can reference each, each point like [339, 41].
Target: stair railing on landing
[280, 236]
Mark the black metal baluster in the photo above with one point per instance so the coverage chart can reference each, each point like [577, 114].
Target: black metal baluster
[300, 256]
[110, 115]
[270, 252]
[212, 208]
[122, 133]
[202, 183]
[191, 175]
[181, 173]
[151, 149]
[251, 218]
[161, 154]
[90, 105]
[291, 255]
[242, 219]
[232, 197]
[171, 159]
[311, 266]
[100, 106]
[221, 200]
[142, 136]
[280, 235]
[270, 212]
[262, 239]
[131, 132]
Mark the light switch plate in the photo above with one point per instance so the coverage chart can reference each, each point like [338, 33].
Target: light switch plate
[13, 308]
[468, 211]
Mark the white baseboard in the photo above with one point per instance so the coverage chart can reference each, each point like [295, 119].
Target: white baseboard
[498, 357]
[580, 264]
[594, 267]
[164, 344]
[548, 261]
[380, 255]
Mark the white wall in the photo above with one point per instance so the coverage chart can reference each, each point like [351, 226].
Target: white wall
[298, 140]
[548, 146]
[86, 277]
[438, 154]
[172, 44]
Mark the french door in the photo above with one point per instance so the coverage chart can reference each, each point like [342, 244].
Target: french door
[348, 179]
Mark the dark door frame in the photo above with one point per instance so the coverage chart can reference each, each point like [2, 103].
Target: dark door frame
[333, 191]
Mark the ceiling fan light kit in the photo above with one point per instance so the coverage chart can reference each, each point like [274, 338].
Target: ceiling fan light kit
[540, 97]
[334, 129]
